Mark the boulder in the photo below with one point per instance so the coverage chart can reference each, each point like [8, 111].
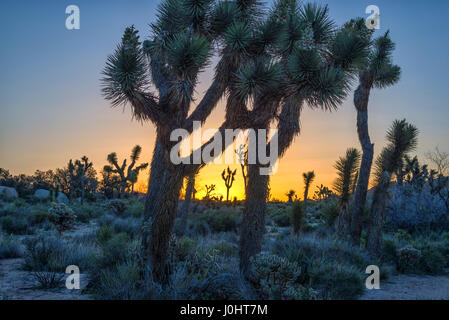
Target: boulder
[8, 193]
[42, 194]
[62, 198]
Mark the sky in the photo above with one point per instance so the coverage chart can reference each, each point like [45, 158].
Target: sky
[52, 110]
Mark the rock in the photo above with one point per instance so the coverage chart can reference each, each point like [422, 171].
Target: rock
[8, 193]
[42, 194]
[225, 286]
[62, 198]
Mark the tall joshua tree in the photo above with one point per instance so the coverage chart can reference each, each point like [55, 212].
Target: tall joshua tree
[379, 73]
[82, 166]
[228, 177]
[190, 194]
[402, 138]
[184, 37]
[127, 174]
[311, 64]
[347, 168]
[308, 179]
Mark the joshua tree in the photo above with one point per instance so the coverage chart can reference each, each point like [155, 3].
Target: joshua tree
[72, 178]
[308, 179]
[129, 174]
[228, 177]
[347, 168]
[402, 138]
[185, 36]
[312, 65]
[378, 72]
[290, 194]
[243, 160]
[209, 190]
[190, 194]
[81, 168]
[322, 193]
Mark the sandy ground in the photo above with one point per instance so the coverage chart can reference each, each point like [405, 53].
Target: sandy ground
[411, 287]
[17, 284]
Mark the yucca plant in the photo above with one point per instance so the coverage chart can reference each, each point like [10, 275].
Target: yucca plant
[308, 179]
[402, 139]
[185, 36]
[347, 168]
[290, 195]
[128, 175]
[379, 72]
[311, 64]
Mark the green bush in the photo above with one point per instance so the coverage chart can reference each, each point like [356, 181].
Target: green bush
[220, 220]
[282, 219]
[432, 261]
[408, 260]
[9, 247]
[297, 216]
[61, 216]
[329, 212]
[274, 277]
[14, 224]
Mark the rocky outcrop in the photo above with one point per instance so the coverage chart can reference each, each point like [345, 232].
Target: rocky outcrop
[8, 193]
[42, 194]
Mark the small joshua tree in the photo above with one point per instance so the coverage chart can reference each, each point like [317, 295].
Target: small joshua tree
[228, 176]
[291, 194]
[126, 175]
[308, 179]
[81, 169]
[61, 216]
[209, 190]
[297, 216]
[347, 168]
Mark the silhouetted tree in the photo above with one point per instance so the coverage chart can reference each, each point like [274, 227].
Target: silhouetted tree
[228, 177]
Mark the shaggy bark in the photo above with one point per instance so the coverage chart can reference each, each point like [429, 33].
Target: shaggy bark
[162, 222]
[377, 216]
[361, 98]
[253, 222]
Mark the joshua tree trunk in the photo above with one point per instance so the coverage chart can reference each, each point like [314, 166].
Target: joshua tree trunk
[163, 218]
[344, 220]
[253, 222]
[377, 216]
[186, 206]
[306, 192]
[361, 98]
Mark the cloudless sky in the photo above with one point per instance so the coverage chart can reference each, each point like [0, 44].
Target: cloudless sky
[51, 108]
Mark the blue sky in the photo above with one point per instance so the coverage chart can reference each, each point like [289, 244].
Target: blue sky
[51, 108]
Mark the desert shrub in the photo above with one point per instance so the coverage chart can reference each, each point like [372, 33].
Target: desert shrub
[130, 226]
[121, 282]
[9, 247]
[15, 224]
[39, 216]
[329, 212]
[220, 220]
[326, 264]
[226, 249]
[104, 233]
[297, 217]
[224, 286]
[274, 277]
[116, 206]
[54, 254]
[389, 251]
[136, 208]
[432, 261]
[281, 219]
[48, 280]
[87, 211]
[408, 260]
[62, 217]
[336, 281]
